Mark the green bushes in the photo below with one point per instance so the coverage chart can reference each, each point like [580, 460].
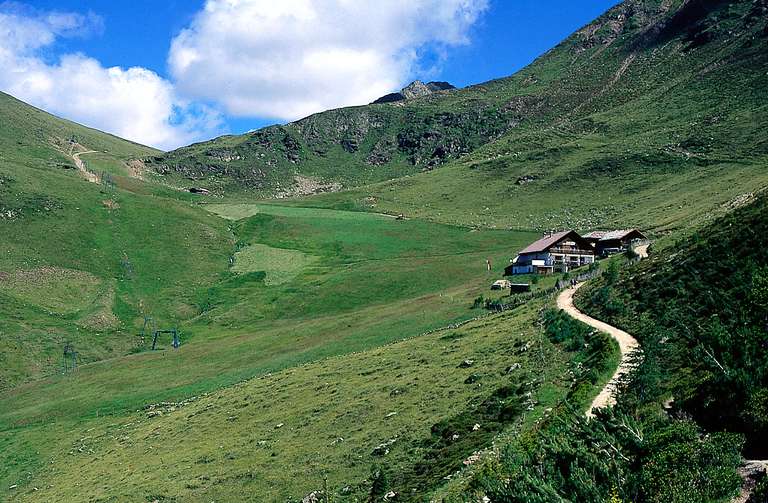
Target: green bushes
[701, 322]
[680, 465]
[702, 317]
[562, 329]
[614, 456]
[454, 439]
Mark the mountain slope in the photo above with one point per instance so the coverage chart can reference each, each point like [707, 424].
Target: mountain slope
[646, 70]
[652, 105]
[81, 261]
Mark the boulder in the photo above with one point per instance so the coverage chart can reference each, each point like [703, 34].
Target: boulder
[466, 364]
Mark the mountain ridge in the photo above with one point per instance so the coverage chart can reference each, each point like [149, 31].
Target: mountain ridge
[579, 77]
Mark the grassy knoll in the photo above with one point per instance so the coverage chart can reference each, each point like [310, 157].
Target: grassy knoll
[278, 264]
[278, 436]
[80, 263]
[375, 280]
[143, 254]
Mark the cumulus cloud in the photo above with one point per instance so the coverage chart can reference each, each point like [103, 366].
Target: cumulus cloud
[291, 58]
[134, 103]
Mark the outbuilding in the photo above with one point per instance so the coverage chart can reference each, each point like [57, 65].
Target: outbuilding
[611, 242]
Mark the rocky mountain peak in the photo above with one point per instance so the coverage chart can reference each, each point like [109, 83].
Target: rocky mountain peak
[416, 89]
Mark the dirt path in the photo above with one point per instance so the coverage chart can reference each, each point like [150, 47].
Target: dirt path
[91, 177]
[749, 471]
[750, 468]
[627, 344]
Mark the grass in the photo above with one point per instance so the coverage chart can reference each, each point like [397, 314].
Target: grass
[280, 435]
[233, 211]
[317, 314]
[280, 265]
[143, 248]
[64, 291]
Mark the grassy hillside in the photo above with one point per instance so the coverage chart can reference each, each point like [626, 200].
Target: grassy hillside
[644, 128]
[695, 402]
[652, 115]
[314, 351]
[80, 262]
[702, 315]
[254, 288]
[407, 410]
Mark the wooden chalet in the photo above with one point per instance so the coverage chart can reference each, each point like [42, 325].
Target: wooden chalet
[557, 252]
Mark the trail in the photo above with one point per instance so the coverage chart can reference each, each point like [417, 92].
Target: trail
[749, 471]
[627, 343]
[750, 468]
[91, 177]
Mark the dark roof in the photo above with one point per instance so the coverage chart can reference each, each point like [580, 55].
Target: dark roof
[546, 242]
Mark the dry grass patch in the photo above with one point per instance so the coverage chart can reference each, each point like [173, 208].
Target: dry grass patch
[281, 265]
[56, 289]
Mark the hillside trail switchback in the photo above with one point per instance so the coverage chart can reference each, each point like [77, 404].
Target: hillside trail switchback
[91, 177]
[627, 343]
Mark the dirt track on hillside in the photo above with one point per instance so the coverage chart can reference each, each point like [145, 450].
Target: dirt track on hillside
[91, 177]
[627, 344]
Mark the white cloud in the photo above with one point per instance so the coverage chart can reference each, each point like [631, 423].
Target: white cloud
[134, 103]
[291, 58]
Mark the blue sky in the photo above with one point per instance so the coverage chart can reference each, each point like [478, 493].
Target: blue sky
[200, 72]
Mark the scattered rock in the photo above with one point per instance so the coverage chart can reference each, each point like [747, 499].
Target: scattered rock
[383, 448]
[415, 89]
[474, 458]
[466, 364]
[512, 368]
[313, 497]
[472, 379]
[525, 179]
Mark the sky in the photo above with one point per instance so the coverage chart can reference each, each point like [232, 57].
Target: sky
[170, 73]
